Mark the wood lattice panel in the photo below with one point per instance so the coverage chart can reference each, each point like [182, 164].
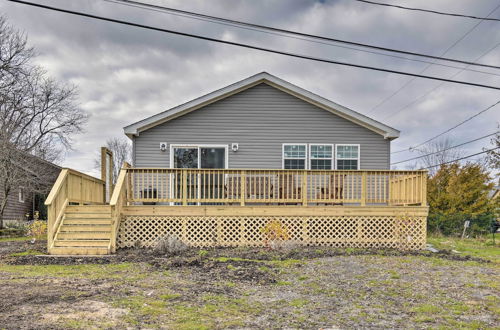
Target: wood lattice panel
[337, 231]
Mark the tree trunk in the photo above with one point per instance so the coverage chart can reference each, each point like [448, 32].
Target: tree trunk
[3, 204]
[2, 209]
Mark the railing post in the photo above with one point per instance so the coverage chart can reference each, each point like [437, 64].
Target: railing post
[184, 187]
[424, 188]
[243, 187]
[304, 188]
[363, 188]
[50, 224]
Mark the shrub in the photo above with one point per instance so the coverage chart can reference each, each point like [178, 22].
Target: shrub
[169, 244]
[275, 234]
[16, 228]
[453, 224]
[37, 229]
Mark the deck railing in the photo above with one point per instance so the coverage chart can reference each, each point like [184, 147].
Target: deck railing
[249, 186]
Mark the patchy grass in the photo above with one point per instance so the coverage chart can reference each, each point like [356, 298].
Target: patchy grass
[479, 247]
[26, 253]
[15, 239]
[224, 288]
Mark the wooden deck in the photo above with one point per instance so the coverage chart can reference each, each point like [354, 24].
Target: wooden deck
[212, 207]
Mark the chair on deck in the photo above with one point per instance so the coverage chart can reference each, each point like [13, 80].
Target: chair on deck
[334, 192]
[257, 188]
[289, 189]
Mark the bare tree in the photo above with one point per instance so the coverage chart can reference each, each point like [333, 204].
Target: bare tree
[37, 116]
[438, 152]
[122, 152]
[493, 156]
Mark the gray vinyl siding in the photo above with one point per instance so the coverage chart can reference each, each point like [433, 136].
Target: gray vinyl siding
[260, 119]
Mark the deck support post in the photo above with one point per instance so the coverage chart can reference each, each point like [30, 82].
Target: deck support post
[363, 189]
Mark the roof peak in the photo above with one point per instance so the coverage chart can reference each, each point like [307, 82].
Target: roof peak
[234, 88]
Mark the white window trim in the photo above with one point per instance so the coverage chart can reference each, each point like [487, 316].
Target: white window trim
[322, 144]
[348, 145]
[293, 144]
[21, 194]
[198, 146]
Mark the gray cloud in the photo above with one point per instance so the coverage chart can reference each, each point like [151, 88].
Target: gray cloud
[125, 74]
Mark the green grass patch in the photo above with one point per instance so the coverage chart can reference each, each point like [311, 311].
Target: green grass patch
[298, 303]
[26, 253]
[13, 239]
[477, 247]
[427, 309]
[92, 271]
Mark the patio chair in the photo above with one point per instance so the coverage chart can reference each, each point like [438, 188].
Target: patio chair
[289, 188]
[333, 193]
[257, 188]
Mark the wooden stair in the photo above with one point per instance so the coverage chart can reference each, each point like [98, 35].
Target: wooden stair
[84, 230]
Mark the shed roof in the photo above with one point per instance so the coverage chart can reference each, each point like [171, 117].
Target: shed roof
[263, 77]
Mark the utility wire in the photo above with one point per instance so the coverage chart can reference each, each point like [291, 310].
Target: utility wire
[443, 150]
[448, 130]
[428, 66]
[149, 7]
[270, 28]
[393, 114]
[429, 11]
[317, 59]
[462, 158]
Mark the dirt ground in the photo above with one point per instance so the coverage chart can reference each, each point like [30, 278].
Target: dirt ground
[247, 288]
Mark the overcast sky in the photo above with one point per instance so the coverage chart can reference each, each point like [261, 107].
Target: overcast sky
[125, 74]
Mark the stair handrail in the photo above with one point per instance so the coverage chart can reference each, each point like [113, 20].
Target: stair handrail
[71, 186]
[56, 203]
[117, 201]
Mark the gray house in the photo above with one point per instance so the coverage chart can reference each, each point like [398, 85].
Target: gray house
[261, 122]
[241, 164]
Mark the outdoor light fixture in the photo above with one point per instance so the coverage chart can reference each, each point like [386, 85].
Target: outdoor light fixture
[235, 147]
[163, 146]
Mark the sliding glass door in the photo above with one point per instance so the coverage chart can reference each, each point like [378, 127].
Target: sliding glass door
[202, 185]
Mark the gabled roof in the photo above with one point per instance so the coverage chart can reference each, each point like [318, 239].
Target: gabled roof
[263, 77]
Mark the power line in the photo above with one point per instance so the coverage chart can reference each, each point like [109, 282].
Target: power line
[166, 11]
[317, 59]
[438, 85]
[448, 130]
[429, 11]
[270, 28]
[428, 66]
[456, 160]
[437, 152]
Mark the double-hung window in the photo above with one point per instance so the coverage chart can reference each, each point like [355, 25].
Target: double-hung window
[347, 156]
[321, 156]
[294, 156]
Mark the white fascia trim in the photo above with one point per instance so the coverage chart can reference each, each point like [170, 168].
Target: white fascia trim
[386, 131]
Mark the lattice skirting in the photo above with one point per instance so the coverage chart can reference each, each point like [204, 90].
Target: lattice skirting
[407, 233]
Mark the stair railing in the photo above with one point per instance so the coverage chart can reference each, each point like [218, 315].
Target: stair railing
[117, 201]
[71, 187]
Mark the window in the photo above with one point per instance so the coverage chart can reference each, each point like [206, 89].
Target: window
[321, 156]
[347, 156]
[21, 194]
[294, 156]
